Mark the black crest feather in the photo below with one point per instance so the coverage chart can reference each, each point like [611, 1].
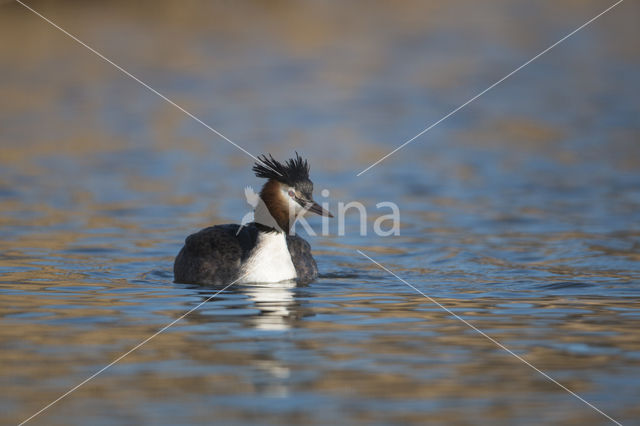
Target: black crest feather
[292, 172]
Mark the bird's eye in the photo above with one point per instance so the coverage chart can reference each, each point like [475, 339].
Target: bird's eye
[292, 194]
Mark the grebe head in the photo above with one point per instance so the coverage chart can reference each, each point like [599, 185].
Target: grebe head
[288, 190]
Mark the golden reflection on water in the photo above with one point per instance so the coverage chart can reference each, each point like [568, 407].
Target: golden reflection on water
[353, 342]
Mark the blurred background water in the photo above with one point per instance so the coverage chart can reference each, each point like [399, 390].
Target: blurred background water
[521, 213]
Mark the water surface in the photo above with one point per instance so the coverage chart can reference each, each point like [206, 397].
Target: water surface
[520, 214]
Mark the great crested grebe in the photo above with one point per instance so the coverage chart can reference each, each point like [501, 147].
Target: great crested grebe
[262, 251]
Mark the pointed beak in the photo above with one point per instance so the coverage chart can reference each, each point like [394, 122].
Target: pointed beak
[314, 207]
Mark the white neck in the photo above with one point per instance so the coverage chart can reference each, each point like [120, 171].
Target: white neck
[269, 261]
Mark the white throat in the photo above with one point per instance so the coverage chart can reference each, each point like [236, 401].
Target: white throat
[269, 261]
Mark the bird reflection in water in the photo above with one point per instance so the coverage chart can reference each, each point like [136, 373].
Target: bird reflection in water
[275, 302]
[261, 306]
